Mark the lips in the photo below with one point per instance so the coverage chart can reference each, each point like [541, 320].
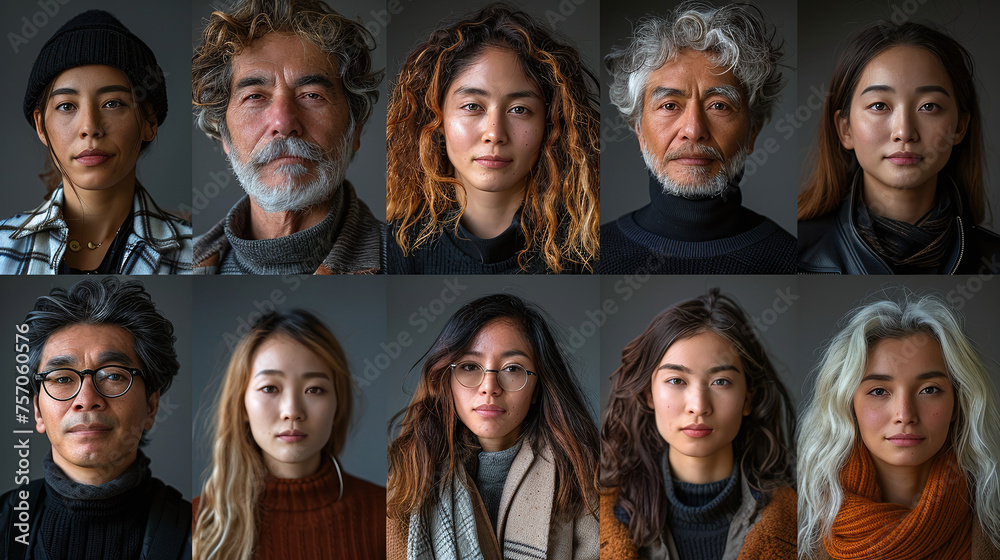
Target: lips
[697, 430]
[905, 440]
[905, 158]
[493, 162]
[693, 159]
[291, 160]
[92, 157]
[489, 410]
[292, 436]
[89, 429]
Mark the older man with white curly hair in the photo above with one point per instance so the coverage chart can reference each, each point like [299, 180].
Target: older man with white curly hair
[696, 87]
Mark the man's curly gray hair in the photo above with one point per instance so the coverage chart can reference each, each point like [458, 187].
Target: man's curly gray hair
[736, 37]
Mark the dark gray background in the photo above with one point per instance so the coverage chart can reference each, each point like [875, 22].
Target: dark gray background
[170, 438]
[165, 169]
[215, 189]
[825, 301]
[566, 300]
[769, 184]
[631, 303]
[352, 307]
[825, 26]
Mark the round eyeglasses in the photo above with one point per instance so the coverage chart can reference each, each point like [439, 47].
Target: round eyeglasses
[63, 384]
[511, 377]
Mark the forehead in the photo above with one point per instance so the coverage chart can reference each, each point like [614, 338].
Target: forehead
[497, 71]
[906, 357]
[692, 72]
[905, 69]
[283, 55]
[703, 347]
[500, 334]
[280, 353]
[98, 75]
[84, 341]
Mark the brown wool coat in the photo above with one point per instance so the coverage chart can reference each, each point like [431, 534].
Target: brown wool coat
[772, 536]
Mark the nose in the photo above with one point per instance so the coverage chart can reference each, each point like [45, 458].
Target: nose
[906, 412]
[496, 128]
[694, 126]
[90, 122]
[903, 129]
[698, 402]
[88, 398]
[283, 115]
[490, 385]
[292, 407]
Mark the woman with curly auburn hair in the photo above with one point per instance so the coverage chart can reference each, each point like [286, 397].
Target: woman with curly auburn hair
[496, 453]
[275, 488]
[493, 142]
[696, 456]
[899, 447]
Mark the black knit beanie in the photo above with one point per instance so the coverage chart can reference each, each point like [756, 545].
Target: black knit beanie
[97, 37]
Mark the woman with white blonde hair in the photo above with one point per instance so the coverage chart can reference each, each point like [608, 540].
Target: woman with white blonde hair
[898, 449]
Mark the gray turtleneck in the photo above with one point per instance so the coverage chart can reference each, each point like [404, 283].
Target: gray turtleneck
[491, 476]
[699, 514]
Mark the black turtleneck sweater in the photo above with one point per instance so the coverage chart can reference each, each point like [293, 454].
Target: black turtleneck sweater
[674, 235]
[699, 514]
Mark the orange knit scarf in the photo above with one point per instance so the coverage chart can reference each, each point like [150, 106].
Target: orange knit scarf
[938, 527]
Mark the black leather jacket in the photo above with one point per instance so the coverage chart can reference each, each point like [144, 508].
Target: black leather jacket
[831, 244]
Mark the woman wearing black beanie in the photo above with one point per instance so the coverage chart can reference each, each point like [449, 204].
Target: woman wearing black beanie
[95, 98]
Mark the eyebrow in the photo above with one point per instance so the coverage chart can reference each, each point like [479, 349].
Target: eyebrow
[882, 88]
[660, 92]
[251, 81]
[104, 358]
[468, 90]
[887, 377]
[101, 90]
[306, 375]
[685, 369]
[504, 355]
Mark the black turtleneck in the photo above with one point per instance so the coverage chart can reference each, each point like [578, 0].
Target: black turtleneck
[675, 235]
[86, 522]
[699, 514]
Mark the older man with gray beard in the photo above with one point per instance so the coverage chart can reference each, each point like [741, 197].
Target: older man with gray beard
[696, 87]
[288, 104]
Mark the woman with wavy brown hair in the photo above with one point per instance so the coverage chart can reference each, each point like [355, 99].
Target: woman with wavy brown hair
[696, 453]
[496, 453]
[275, 488]
[493, 142]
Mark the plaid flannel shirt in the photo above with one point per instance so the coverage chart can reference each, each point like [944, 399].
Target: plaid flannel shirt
[35, 242]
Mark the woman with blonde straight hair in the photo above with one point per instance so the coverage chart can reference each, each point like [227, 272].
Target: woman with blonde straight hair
[275, 488]
[899, 447]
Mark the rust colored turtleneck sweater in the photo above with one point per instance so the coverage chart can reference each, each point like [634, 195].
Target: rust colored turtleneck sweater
[301, 518]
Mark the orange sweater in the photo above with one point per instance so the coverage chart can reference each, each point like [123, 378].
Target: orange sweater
[300, 518]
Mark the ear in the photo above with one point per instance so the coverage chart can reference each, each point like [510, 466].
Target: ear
[748, 404]
[843, 131]
[39, 421]
[963, 127]
[637, 127]
[39, 129]
[357, 138]
[152, 406]
[225, 146]
[148, 130]
[754, 132]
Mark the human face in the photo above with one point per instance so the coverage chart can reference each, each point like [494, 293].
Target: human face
[695, 128]
[905, 403]
[903, 121]
[291, 404]
[289, 133]
[494, 119]
[94, 127]
[495, 416]
[699, 397]
[94, 438]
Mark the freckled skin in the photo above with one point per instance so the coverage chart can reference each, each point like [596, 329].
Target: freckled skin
[677, 122]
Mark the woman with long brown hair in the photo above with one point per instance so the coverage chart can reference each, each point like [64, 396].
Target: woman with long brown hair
[897, 186]
[496, 453]
[275, 488]
[696, 442]
[493, 141]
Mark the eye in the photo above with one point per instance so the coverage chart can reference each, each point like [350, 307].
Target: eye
[269, 389]
[315, 390]
[878, 392]
[468, 366]
[669, 106]
[511, 368]
[929, 107]
[114, 377]
[65, 106]
[472, 107]
[674, 381]
[878, 106]
[253, 97]
[722, 382]
[63, 379]
[719, 106]
[519, 110]
[931, 390]
[114, 104]
[313, 96]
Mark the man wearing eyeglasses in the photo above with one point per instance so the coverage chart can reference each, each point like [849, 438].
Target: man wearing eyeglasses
[102, 357]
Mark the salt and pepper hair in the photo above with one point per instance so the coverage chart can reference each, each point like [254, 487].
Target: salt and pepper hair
[228, 33]
[126, 305]
[829, 430]
[734, 37]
